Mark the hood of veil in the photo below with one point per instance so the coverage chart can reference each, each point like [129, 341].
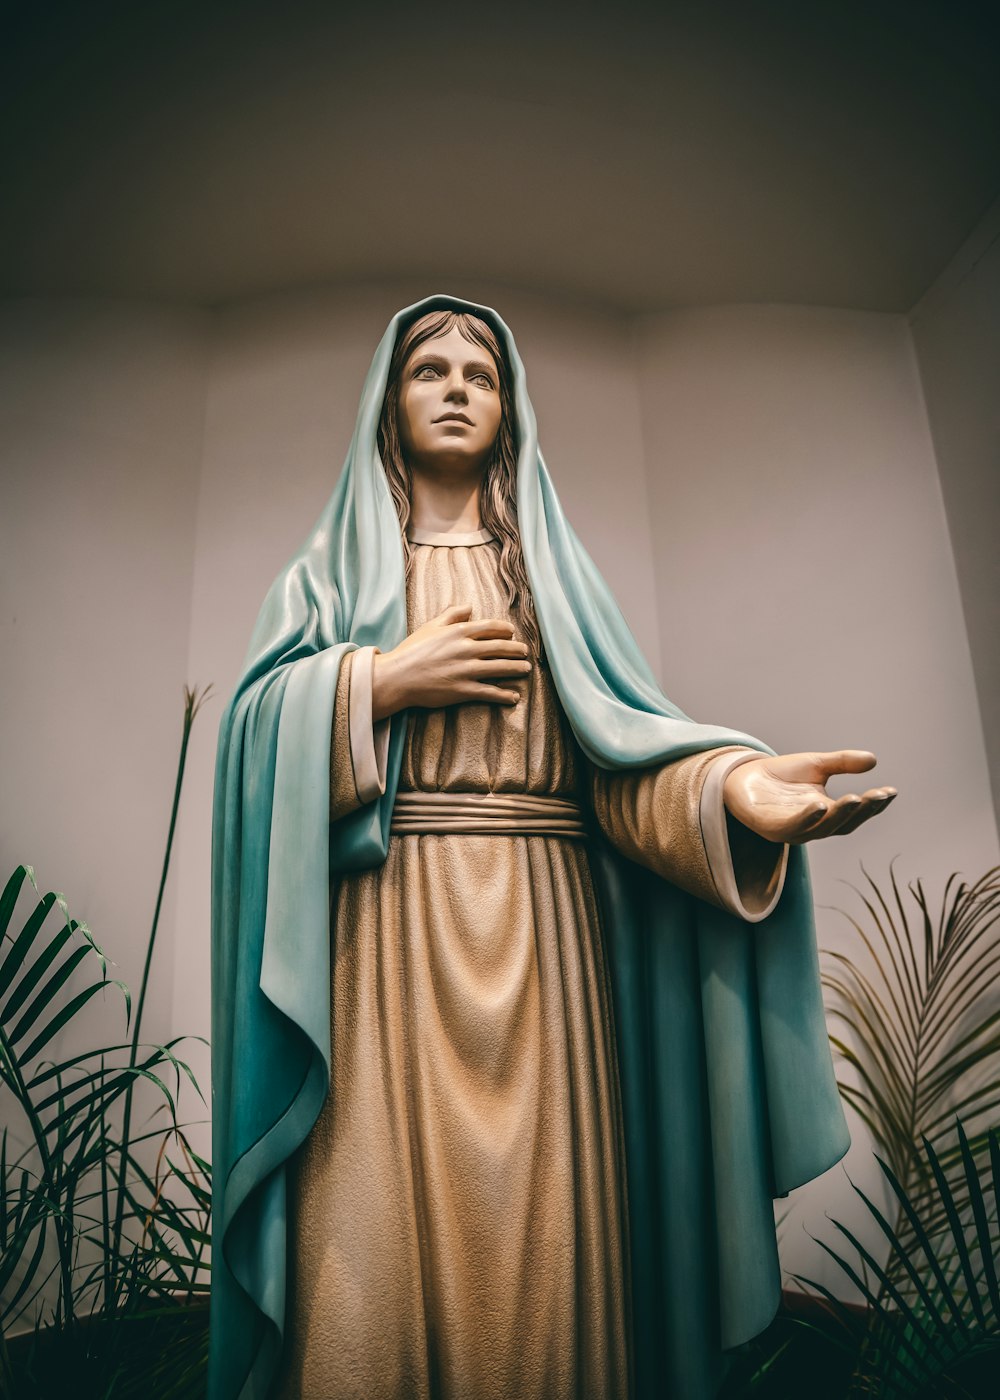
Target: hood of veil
[727, 1084]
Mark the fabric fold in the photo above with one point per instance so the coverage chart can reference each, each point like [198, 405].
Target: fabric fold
[751, 887]
[486, 814]
[369, 741]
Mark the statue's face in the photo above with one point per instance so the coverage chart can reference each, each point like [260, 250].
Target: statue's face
[449, 405]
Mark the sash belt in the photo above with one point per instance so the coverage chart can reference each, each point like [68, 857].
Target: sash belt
[486, 814]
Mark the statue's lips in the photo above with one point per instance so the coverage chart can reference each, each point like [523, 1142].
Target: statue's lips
[456, 418]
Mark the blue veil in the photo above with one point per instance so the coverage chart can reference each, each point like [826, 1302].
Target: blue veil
[728, 1089]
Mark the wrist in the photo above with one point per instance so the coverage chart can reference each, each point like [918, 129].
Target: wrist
[735, 783]
[730, 787]
[387, 692]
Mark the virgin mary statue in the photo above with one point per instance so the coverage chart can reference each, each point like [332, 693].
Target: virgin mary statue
[517, 1025]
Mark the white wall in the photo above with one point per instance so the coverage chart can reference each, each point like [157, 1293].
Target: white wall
[100, 440]
[956, 330]
[807, 592]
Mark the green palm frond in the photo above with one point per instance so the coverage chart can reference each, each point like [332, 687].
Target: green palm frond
[916, 1015]
[928, 1335]
[110, 1219]
[917, 1018]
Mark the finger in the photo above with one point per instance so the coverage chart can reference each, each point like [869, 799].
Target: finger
[826, 823]
[512, 666]
[453, 612]
[487, 627]
[872, 804]
[502, 647]
[492, 694]
[845, 761]
[850, 811]
[843, 816]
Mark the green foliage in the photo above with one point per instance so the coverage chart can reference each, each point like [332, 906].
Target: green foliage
[108, 1217]
[941, 1333]
[918, 1001]
[917, 998]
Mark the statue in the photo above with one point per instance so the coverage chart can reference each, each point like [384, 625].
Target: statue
[517, 1027]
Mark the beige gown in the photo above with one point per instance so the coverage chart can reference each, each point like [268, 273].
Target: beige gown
[457, 1216]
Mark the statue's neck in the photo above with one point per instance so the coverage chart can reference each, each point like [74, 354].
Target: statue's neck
[445, 502]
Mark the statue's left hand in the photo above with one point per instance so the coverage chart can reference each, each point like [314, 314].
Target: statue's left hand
[785, 799]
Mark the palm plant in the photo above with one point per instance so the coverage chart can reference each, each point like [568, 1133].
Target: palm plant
[940, 1334]
[919, 1003]
[923, 1020]
[110, 1216]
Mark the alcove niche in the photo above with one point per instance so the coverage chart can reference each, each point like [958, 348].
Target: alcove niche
[783, 458]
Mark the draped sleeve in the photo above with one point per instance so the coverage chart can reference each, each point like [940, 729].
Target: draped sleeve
[672, 819]
[359, 747]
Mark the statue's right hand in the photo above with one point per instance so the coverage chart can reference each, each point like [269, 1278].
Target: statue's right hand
[448, 660]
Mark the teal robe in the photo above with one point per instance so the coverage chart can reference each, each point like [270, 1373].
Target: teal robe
[728, 1089]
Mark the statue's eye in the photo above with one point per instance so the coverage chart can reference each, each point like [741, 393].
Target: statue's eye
[483, 380]
[425, 371]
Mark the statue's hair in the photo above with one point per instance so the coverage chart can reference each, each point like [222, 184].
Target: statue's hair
[497, 492]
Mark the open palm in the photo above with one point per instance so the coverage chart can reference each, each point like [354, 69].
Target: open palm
[784, 798]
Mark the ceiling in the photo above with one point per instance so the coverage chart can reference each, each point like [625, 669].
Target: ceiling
[626, 156]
